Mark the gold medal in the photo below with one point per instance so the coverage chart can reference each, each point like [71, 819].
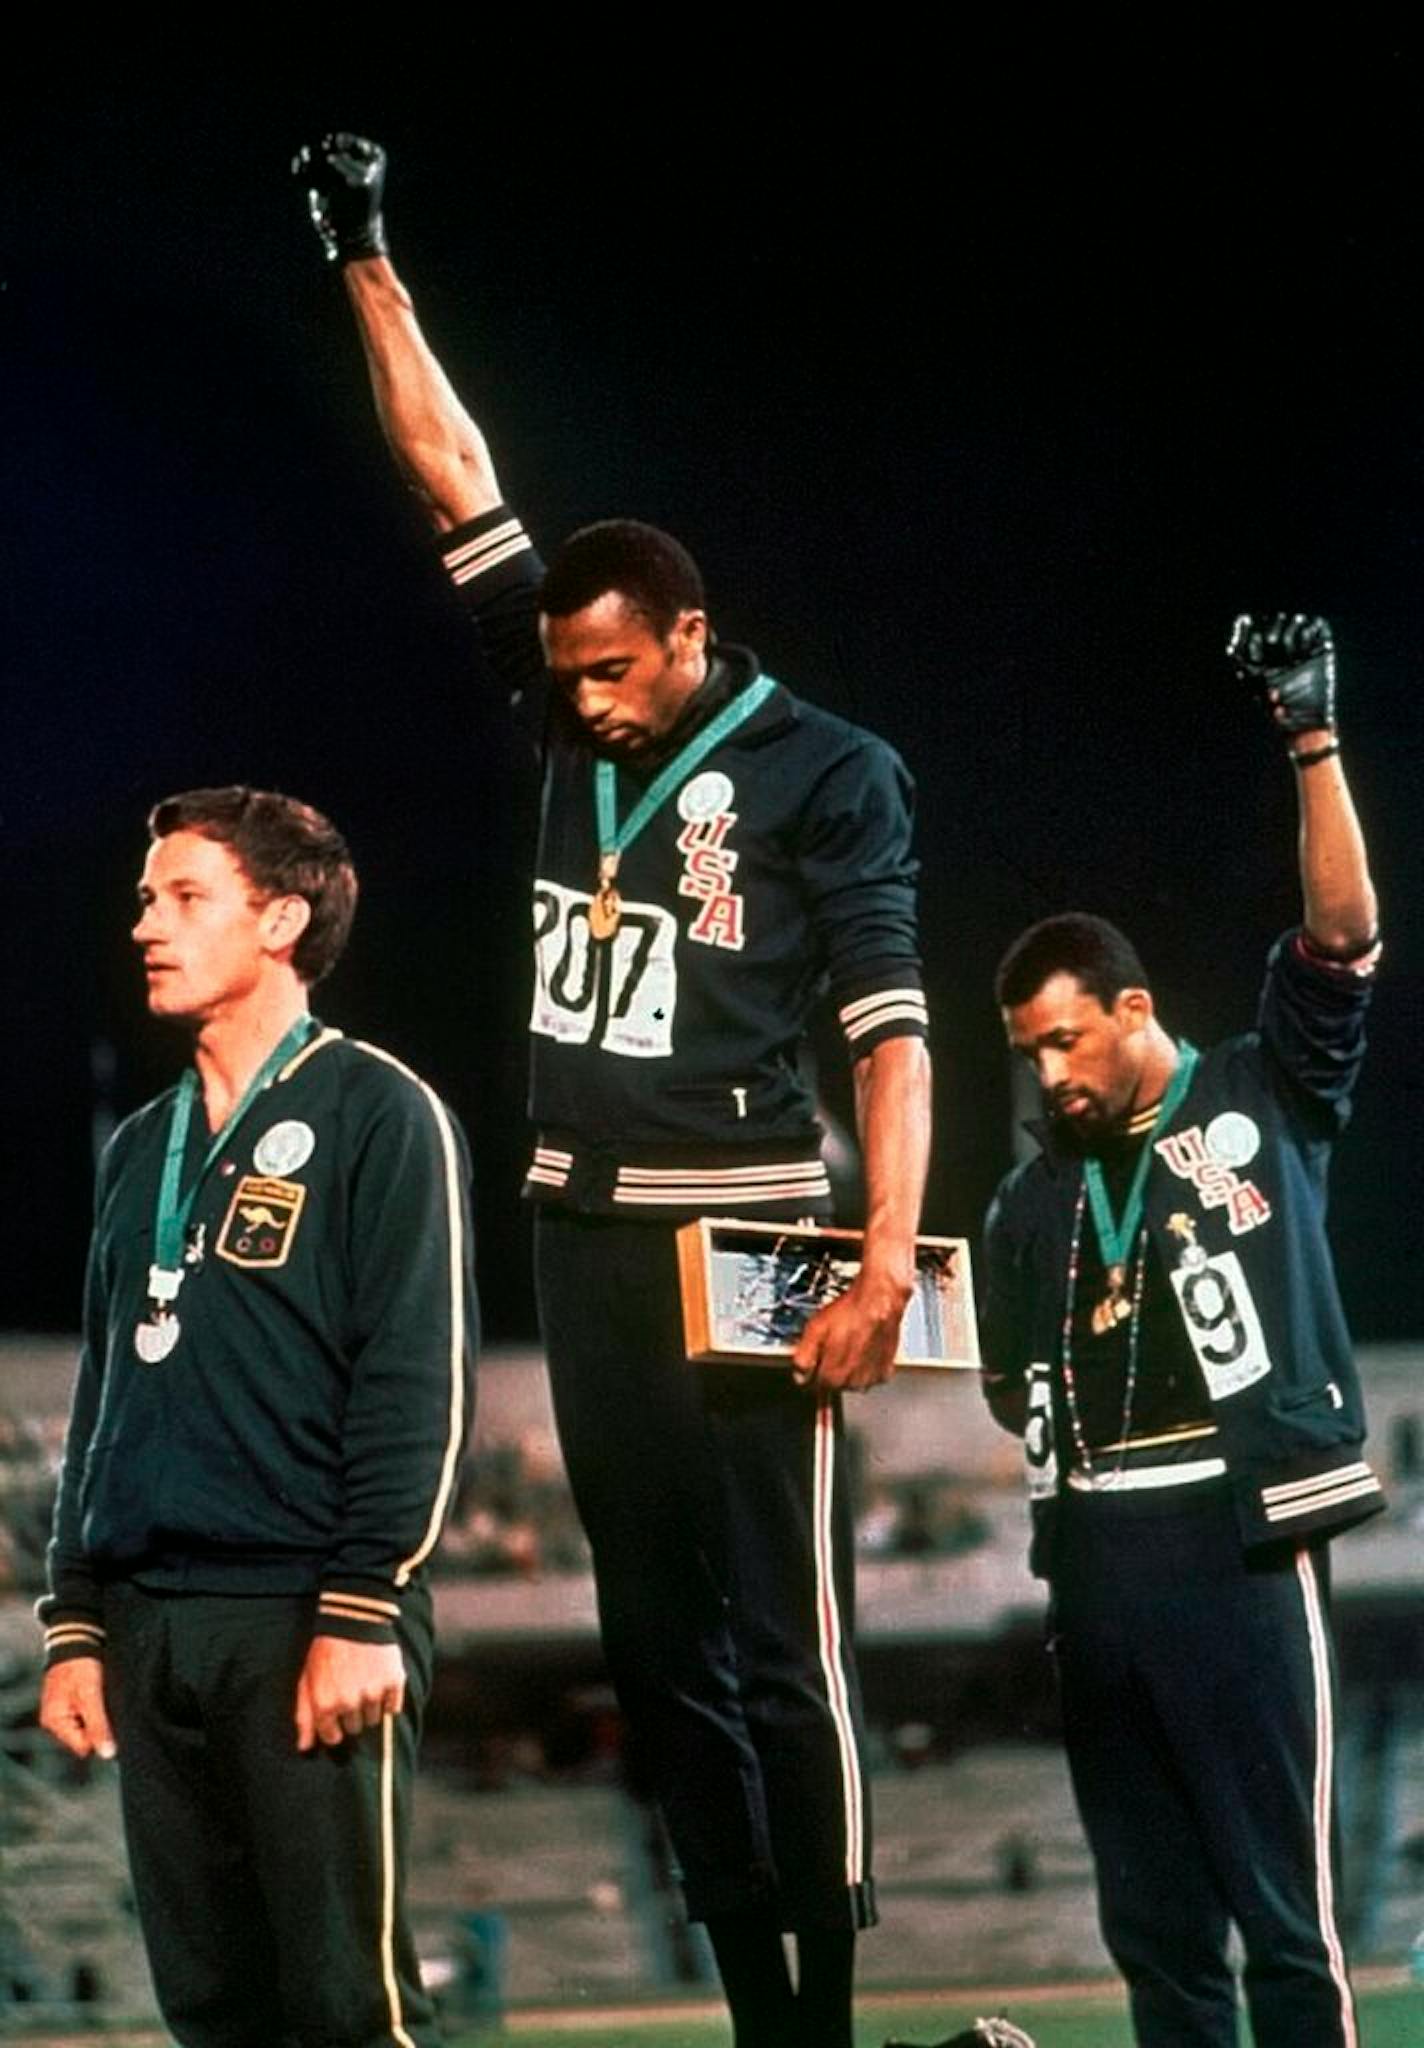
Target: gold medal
[603, 914]
[605, 909]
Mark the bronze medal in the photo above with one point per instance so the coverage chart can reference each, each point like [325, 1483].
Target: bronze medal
[1114, 1308]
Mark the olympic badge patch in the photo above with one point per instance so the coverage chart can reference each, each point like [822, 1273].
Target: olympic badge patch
[285, 1148]
[261, 1221]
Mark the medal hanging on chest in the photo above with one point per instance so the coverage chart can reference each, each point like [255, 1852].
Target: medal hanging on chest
[157, 1333]
[1116, 1235]
[156, 1336]
[1115, 1307]
[1118, 1304]
[605, 908]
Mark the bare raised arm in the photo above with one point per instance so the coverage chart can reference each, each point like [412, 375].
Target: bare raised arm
[1341, 913]
[437, 446]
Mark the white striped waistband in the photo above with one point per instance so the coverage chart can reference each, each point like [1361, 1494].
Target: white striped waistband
[683, 1187]
[1142, 1478]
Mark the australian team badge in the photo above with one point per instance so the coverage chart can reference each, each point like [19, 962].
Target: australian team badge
[261, 1221]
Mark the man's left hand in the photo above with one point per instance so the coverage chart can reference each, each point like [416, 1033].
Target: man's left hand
[851, 1344]
[1288, 659]
[345, 1687]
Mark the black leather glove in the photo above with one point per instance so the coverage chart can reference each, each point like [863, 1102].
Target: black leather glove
[344, 176]
[1289, 661]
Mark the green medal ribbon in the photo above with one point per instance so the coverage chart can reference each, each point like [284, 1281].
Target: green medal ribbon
[170, 1220]
[1115, 1238]
[613, 838]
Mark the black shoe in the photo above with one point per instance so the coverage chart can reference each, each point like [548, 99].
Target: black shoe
[992, 2033]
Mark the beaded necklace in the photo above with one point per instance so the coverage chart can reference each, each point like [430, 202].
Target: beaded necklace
[1094, 1478]
[1115, 1240]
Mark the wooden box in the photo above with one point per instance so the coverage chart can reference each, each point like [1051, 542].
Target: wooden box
[749, 1289]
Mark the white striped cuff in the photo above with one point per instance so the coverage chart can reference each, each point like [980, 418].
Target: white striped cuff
[468, 560]
[886, 1006]
[1299, 1497]
[70, 1635]
[549, 1167]
[1293, 1489]
[357, 1607]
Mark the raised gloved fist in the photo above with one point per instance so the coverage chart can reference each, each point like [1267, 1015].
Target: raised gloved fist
[1289, 661]
[344, 176]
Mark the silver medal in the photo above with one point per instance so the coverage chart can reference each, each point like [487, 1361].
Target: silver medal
[154, 1340]
[156, 1335]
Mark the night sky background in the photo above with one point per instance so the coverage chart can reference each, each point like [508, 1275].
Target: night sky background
[987, 384]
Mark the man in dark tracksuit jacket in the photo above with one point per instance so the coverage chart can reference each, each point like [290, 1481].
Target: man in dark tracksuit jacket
[271, 1403]
[712, 852]
[1162, 1324]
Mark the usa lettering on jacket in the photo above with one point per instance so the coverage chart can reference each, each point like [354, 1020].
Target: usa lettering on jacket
[1192, 1157]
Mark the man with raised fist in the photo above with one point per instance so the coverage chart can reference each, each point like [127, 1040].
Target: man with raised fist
[1163, 1327]
[712, 851]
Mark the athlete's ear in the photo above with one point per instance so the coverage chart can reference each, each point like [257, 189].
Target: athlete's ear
[1134, 1008]
[284, 919]
[691, 631]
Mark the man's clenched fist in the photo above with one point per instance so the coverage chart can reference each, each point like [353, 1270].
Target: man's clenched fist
[346, 1687]
[344, 177]
[1289, 661]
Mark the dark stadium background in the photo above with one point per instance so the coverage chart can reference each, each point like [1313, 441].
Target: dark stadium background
[987, 385]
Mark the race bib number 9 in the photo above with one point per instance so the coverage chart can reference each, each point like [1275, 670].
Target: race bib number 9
[1222, 1322]
[620, 995]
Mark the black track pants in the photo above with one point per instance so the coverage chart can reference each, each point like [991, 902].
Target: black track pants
[715, 1501]
[1198, 1704]
[268, 1883]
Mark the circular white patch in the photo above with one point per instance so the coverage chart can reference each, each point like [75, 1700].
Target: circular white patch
[1232, 1139]
[284, 1148]
[705, 795]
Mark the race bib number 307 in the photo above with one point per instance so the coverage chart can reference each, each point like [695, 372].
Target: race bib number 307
[620, 995]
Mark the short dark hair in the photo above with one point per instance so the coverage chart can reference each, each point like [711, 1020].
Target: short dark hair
[654, 572]
[1089, 948]
[285, 848]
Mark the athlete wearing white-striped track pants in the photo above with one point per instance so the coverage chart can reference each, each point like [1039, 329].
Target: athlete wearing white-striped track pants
[716, 1503]
[1199, 1715]
[714, 854]
[1163, 1325]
